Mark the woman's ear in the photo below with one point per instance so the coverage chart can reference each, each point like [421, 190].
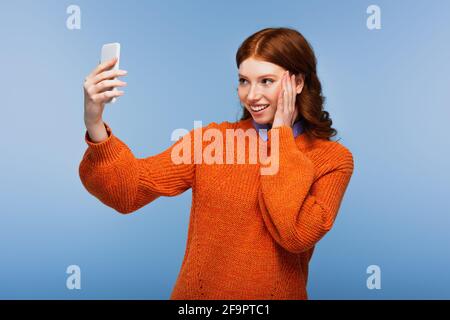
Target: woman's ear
[300, 82]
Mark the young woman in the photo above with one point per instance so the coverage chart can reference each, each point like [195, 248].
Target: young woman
[251, 235]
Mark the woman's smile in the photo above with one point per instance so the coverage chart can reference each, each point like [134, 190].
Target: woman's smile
[258, 108]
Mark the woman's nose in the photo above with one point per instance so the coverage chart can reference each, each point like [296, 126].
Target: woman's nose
[253, 94]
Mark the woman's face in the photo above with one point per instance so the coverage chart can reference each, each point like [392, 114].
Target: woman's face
[259, 86]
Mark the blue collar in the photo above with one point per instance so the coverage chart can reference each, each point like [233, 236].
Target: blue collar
[297, 129]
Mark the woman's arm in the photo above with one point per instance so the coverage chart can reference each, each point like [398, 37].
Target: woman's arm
[109, 170]
[111, 173]
[97, 132]
[297, 210]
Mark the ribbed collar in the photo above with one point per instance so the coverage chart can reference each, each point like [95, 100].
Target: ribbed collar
[297, 129]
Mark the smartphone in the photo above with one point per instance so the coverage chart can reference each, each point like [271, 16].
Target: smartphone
[109, 51]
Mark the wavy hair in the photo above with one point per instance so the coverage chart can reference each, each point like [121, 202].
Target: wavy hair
[288, 49]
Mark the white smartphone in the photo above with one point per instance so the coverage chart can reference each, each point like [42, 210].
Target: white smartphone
[109, 51]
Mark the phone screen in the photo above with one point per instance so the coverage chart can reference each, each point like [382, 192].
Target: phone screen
[109, 51]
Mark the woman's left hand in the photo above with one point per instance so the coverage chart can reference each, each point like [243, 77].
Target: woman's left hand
[286, 112]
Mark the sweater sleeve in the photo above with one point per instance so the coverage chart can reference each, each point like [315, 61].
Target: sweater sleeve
[110, 172]
[297, 209]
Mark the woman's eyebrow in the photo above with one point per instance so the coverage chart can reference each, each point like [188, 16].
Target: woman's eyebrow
[263, 76]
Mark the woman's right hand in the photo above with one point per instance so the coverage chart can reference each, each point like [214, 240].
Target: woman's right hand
[98, 90]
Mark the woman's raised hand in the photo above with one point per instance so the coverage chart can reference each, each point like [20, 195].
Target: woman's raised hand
[286, 112]
[98, 90]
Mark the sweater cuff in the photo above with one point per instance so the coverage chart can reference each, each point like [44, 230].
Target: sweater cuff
[289, 153]
[286, 139]
[104, 152]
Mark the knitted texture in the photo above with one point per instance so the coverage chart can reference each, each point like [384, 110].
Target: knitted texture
[250, 236]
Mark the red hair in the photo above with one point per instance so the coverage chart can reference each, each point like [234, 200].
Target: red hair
[288, 48]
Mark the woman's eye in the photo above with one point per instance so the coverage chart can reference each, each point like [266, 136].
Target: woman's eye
[264, 81]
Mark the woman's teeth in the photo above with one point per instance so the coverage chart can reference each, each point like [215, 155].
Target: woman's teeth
[259, 107]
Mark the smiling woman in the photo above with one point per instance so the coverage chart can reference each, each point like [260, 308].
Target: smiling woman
[262, 60]
[251, 234]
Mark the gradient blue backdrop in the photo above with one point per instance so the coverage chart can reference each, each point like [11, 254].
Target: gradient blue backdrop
[387, 91]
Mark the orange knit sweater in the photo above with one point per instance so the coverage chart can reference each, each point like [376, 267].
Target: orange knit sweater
[250, 236]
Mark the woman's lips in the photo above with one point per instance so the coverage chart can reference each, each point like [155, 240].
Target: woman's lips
[259, 108]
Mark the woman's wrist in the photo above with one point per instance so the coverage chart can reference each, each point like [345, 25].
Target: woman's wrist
[97, 131]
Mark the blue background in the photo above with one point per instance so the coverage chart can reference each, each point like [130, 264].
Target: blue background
[387, 91]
